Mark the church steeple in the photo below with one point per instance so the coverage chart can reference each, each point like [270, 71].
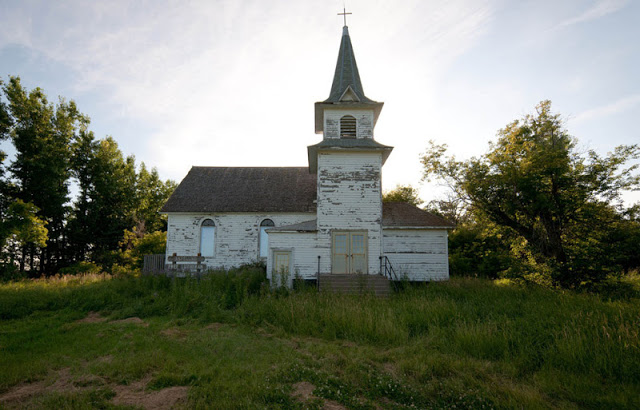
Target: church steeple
[347, 93]
[346, 75]
[348, 117]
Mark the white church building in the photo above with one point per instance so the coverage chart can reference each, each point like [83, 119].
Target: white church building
[324, 219]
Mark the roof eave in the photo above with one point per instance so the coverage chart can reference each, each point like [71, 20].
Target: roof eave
[430, 227]
[313, 150]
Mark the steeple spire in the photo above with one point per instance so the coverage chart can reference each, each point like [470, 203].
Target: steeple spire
[346, 74]
[347, 94]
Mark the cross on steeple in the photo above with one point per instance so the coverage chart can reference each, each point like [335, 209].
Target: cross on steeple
[344, 14]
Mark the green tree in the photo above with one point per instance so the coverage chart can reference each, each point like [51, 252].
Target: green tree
[107, 202]
[535, 184]
[41, 134]
[136, 244]
[403, 193]
[82, 163]
[19, 223]
[151, 194]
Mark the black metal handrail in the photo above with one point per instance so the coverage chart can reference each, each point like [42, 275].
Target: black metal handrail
[387, 269]
[318, 275]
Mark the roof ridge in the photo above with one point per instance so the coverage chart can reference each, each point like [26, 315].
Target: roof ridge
[249, 167]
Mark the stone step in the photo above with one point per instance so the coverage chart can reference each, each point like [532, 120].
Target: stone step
[354, 283]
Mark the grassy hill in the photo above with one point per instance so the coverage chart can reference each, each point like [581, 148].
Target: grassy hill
[226, 341]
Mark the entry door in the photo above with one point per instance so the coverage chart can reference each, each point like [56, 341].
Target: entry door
[282, 261]
[349, 252]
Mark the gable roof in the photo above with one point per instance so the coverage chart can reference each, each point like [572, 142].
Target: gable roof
[244, 189]
[402, 214]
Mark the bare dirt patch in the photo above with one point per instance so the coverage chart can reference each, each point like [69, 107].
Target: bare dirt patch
[390, 368]
[92, 317]
[214, 326]
[303, 392]
[131, 395]
[23, 392]
[20, 393]
[133, 320]
[174, 333]
[105, 359]
[135, 395]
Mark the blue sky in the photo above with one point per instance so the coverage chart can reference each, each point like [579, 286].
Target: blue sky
[232, 83]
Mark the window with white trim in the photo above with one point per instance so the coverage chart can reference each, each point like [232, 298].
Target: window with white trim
[207, 237]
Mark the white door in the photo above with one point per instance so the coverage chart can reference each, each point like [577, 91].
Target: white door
[281, 267]
[281, 261]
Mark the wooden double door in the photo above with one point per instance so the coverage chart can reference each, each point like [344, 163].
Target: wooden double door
[349, 252]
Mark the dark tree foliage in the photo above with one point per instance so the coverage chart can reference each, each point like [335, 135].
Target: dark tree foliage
[53, 149]
[106, 205]
[41, 134]
[151, 194]
[401, 193]
[562, 208]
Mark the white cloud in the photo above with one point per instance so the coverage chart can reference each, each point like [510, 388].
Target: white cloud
[606, 110]
[233, 83]
[599, 9]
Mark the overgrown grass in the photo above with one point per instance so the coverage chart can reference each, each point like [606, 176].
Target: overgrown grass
[466, 342]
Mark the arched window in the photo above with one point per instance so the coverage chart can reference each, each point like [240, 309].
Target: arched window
[348, 126]
[207, 237]
[264, 238]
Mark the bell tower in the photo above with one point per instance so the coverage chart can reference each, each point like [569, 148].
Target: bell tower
[348, 163]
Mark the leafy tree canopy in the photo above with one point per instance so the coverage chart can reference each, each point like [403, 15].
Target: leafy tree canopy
[403, 193]
[533, 182]
[43, 229]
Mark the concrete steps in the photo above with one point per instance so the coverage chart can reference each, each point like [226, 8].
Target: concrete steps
[355, 283]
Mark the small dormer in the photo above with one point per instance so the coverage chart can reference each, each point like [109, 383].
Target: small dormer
[347, 102]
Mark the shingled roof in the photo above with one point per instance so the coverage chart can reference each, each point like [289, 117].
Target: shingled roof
[307, 226]
[346, 73]
[402, 214]
[345, 78]
[244, 189]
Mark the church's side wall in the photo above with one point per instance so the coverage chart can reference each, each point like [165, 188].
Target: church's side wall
[349, 198]
[417, 254]
[304, 255]
[364, 122]
[236, 235]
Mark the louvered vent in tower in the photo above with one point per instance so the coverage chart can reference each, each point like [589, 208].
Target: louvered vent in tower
[347, 127]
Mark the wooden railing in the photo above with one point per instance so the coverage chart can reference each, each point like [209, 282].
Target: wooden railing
[156, 263]
[153, 263]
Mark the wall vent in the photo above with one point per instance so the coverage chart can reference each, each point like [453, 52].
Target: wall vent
[348, 127]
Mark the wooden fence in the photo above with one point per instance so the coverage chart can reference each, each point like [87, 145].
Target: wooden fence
[153, 263]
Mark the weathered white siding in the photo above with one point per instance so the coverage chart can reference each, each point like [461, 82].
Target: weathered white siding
[304, 254]
[364, 122]
[349, 198]
[236, 235]
[418, 254]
